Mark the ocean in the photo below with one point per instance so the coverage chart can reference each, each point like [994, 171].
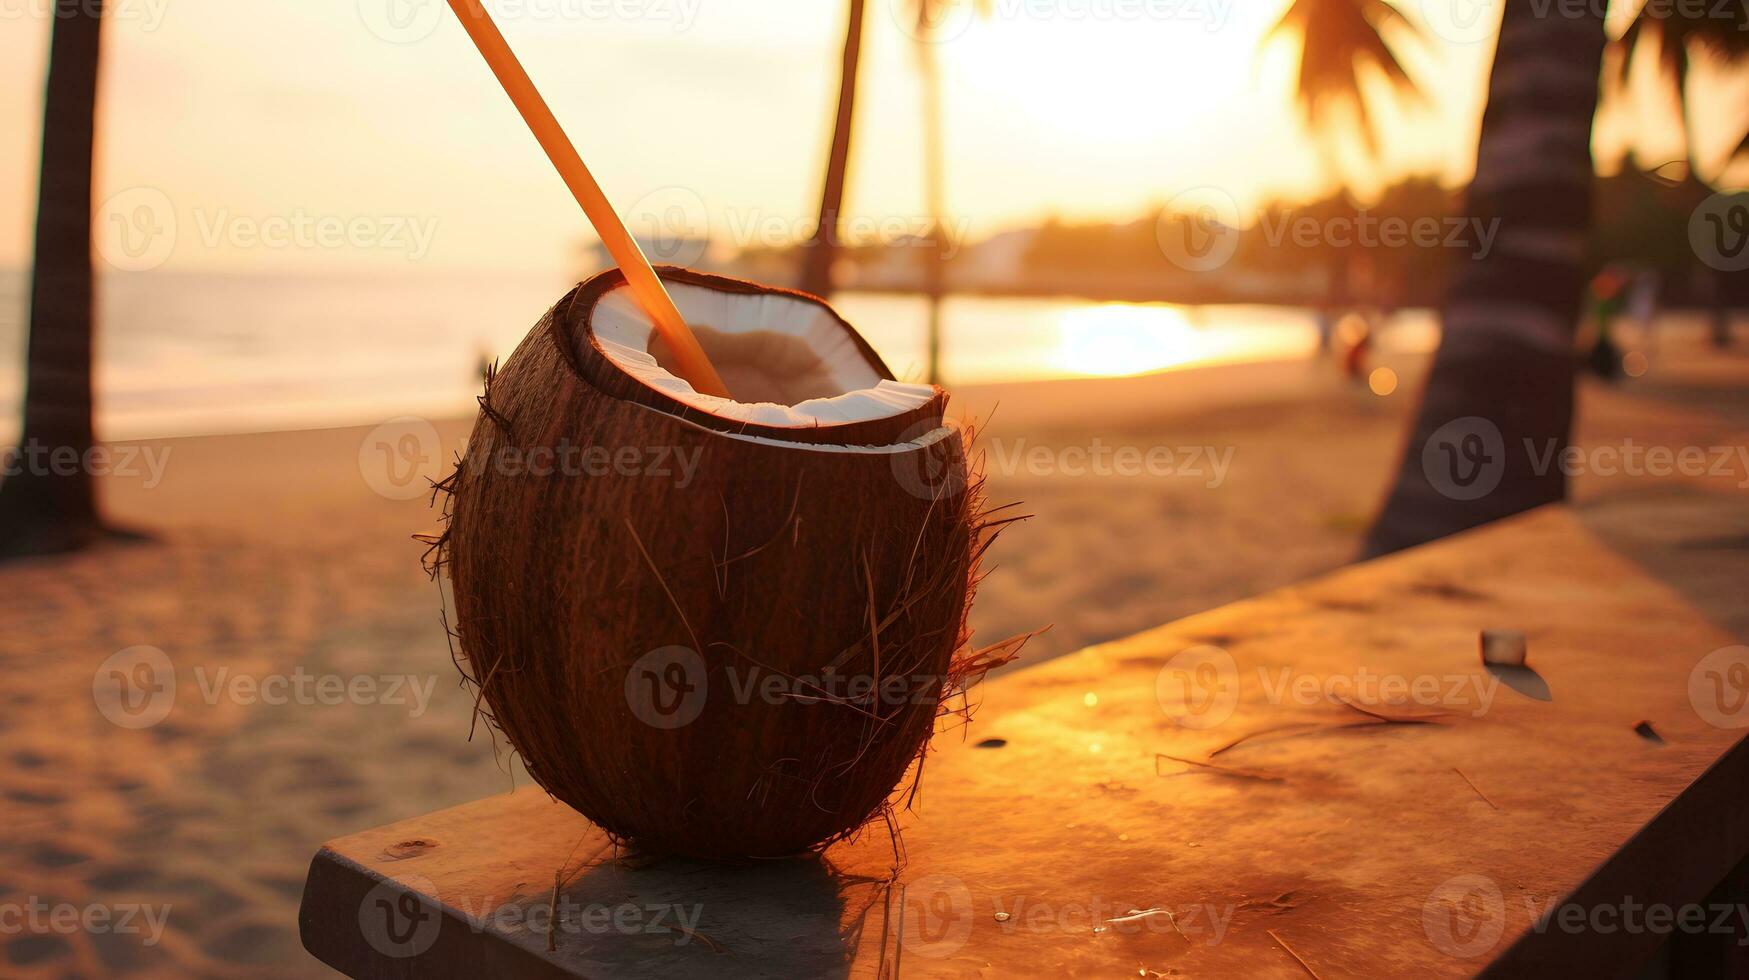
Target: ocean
[200, 353]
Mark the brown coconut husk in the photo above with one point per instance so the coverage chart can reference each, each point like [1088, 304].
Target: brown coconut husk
[785, 560]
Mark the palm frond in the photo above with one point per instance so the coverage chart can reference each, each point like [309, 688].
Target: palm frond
[1679, 30]
[1339, 42]
[1676, 33]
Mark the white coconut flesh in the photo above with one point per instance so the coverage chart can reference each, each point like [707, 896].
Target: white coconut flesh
[786, 362]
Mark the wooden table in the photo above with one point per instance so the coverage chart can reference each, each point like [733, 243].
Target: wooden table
[1056, 837]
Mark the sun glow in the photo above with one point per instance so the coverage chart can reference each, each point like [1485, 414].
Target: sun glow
[1137, 338]
[1125, 339]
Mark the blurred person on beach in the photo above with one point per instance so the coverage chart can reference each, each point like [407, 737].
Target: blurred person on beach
[1607, 295]
[1642, 308]
[1354, 334]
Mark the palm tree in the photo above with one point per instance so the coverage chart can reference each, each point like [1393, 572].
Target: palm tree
[1338, 41]
[1675, 34]
[816, 273]
[47, 506]
[1499, 397]
[929, 13]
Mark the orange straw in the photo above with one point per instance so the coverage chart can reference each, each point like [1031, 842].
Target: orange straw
[695, 367]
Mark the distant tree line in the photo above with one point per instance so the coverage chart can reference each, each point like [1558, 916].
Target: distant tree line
[1398, 250]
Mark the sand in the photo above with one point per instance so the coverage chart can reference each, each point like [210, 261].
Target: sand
[273, 560]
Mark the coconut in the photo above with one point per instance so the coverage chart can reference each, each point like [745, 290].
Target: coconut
[718, 628]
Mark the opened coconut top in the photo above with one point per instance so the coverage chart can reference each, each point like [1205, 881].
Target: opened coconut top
[787, 360]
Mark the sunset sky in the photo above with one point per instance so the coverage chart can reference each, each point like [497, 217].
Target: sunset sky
[238, 111]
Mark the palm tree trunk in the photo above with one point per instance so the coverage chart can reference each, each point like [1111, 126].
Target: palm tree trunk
[1499, 399]
[934, 187]
[47, 503]
[816, 276]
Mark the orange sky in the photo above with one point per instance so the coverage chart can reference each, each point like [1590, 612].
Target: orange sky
[247, 116]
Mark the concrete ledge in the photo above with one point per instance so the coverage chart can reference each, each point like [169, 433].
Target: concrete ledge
[1343, 845]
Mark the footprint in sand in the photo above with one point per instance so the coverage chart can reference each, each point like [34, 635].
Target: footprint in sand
[29, 760]
[30, 798]
[126, 878]
[53, 856]
[252, 943]
[35, 948]
[122, 953]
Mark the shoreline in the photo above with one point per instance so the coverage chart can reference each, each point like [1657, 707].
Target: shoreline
[1203, 385]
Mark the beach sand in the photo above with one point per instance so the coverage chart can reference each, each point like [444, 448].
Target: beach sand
[274, 558]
